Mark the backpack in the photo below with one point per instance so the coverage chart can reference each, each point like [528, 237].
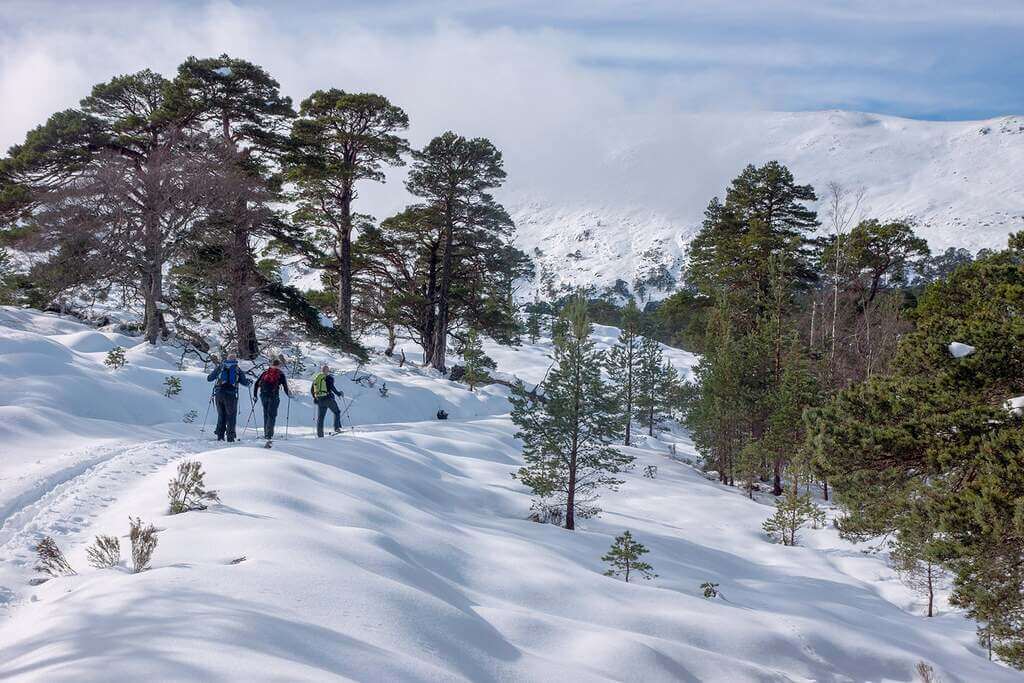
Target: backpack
[228, 375]
[320, 385]
[271, 378]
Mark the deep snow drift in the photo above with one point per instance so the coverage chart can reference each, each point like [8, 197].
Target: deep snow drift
[400, 549]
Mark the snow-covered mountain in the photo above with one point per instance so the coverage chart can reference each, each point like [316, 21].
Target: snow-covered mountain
[626, 206]
[401, 549]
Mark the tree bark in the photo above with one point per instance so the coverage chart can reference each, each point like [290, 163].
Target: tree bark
[152, 276]
[345, 276]
[441, 330]
[241, 294]
[777, 477]
[430, 310]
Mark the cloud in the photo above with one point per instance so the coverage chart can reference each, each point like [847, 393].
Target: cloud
[561, 87]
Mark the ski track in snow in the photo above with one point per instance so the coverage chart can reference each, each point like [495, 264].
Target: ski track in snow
[65, 503]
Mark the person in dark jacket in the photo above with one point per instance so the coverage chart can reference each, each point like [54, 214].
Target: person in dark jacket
[324, 391]
[268, 390]
[227, 376]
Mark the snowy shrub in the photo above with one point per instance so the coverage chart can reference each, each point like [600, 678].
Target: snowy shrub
[51, 560]
[624, 558]
[115, 358]
[925, 672]
[651, 471]
[143, 544]
[105, 552]
[383, 390]
[190, 416]
[187, 491]
[172, 386]
[710, 589]
[543, 511]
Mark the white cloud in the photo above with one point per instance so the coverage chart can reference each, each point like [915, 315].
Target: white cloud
[561, 87]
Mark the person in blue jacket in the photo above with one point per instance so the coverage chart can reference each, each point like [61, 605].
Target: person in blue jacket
[227, 376]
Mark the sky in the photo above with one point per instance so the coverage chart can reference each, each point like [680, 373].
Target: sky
[542, 78]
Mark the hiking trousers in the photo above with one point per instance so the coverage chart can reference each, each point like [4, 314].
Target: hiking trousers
[322, 406]
[227, 414]
[270, 402]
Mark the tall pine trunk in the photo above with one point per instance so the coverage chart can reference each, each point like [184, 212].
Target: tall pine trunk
[629, 390]
[345, 276]
[441, 330]
[570, 499]
[152, 276]
[241, 293]
[430, 311]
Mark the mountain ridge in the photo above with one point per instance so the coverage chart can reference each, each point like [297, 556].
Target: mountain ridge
[636, 202]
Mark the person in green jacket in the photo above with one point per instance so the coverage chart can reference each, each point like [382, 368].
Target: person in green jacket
[324, 391]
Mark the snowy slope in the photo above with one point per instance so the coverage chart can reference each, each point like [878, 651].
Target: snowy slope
[400, 550]
[624, 209]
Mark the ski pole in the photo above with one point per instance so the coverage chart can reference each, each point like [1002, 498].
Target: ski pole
[207, 416]
[287, 416]
[251, 413]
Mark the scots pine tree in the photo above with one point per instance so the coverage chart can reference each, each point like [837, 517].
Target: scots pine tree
[567, 437]
[339, 140]
[916, 555]
[240, 104]
[656, 385]
[792, 512]
[533, 325]
[477, 363]
[624, 558]
[934, 441]
[623, 363]
[454, 176]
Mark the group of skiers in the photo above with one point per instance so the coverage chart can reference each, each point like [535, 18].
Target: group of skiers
[227, 377]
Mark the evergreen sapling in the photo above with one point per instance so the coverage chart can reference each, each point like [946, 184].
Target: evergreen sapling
[792, 511]
[187, 491]
[567, 437]
[477, 363]
[624, 558]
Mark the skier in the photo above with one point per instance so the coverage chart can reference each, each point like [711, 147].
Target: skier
[227, 376]
[323, 391]
[271, 382]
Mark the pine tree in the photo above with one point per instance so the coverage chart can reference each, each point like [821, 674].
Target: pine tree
[749, 465]
[477, 363]
[764, 217]
[340, 139]
[934, 441]
[624, 558]
[533, 325]
[112, 191]
[916, 556]
[623, 363]
[656, 385]
[567, 437]
[792, 511]
[241, 105]
[454, 175]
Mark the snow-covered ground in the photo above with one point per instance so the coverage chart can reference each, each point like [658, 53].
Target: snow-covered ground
[400, 550]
